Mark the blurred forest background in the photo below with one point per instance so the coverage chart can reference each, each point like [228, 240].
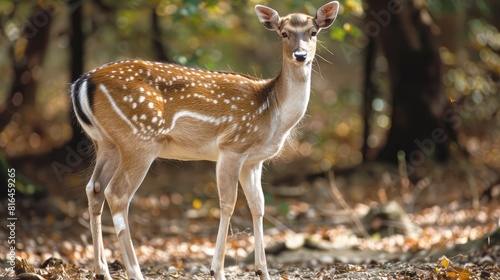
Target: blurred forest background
[411, 86]
[404, 102]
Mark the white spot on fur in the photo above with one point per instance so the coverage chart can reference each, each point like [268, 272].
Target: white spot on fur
[116, 108]
[119, 222]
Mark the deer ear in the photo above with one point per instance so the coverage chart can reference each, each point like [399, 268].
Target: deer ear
[326, 15]
[268, 17]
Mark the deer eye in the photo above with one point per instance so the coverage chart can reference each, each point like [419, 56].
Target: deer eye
[314, 33]
[284, 35]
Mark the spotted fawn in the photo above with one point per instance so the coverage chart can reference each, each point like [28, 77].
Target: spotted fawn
[136, 111]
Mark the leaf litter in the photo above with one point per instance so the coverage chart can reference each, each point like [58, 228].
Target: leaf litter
[304, 239]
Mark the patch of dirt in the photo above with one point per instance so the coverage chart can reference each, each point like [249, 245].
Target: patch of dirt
[55, 244]
[312, 231]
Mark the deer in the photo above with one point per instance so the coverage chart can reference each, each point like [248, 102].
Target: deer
[136, 111]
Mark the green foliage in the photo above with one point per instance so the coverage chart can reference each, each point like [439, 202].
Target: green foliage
[447, 6]
[23, 185]
[338, 34]
[474, 82]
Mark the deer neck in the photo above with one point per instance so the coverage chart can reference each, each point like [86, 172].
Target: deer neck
[292, 91]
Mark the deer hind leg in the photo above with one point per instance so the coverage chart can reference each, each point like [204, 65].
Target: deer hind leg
[250, 179]
[106, 164]
[133, 166]
[228, 168]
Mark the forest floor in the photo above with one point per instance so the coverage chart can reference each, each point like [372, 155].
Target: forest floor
[311, 233]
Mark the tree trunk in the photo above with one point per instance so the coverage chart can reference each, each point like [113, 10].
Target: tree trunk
[161, 51]
[77, 39]
[76, 62]
[73, 157]
[368, 94]
[418, 127]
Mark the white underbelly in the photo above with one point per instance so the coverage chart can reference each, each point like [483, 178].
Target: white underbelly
[206, 151]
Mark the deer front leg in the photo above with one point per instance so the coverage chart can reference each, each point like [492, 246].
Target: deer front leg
[228, 168]
[250, 179]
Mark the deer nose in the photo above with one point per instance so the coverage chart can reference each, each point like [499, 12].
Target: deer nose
[300, 55]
